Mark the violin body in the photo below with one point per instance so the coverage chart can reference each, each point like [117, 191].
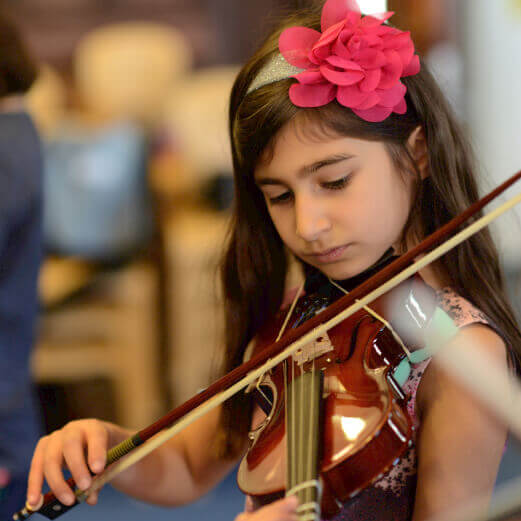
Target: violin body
[364, 426]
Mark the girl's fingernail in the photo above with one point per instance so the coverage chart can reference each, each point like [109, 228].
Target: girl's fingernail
[97, 466]
[84, 483]
[67, 499]
[32, 500]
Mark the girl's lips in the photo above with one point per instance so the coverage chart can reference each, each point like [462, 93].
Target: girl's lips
[330, 255]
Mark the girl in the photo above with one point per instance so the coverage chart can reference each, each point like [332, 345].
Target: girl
[355, 160]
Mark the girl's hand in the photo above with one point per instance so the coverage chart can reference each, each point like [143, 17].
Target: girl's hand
[282, 510]
[81, 446]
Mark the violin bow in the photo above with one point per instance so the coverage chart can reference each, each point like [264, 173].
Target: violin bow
[134, 448]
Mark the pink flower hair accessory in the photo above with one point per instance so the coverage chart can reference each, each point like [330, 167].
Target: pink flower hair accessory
[356, 60]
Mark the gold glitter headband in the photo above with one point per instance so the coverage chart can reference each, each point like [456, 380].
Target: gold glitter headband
[276, 69]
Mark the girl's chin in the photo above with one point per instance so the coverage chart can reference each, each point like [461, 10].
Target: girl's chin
[339, 272]
[343, 270]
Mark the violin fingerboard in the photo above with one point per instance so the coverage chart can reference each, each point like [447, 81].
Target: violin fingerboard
[304, 435]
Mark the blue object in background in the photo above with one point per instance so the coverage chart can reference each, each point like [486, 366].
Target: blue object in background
[97, 202]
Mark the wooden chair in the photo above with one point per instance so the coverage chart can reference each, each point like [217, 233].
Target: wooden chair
[109, 331]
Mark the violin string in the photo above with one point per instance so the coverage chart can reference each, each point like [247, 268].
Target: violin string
[301, 451]
[289, 313]
[377, 316]
[294, 440]
[313, 421]
[290, 423]
[285, 376]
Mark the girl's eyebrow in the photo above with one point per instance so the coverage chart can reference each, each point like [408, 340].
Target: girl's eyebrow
[332, 160]
[309, 169]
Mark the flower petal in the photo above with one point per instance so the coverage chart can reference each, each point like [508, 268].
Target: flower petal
[371, 59]
[338, 61]
[351, 96]
[330, 35]
[335, 11]
[401, 108]
[371, 101]
[312, 95]
[295, 43]
[398, 40]
[310, 77]
[375, 114]
[392, 97]
[406, 54]
[391, 72]
[341, 77]
[371, 80]
[320, 54]
[384, 31]
[375, 19]
[371, 39]
[346, 33]
[339, 49]
[402, 44]
[354, 44]
[413, 67]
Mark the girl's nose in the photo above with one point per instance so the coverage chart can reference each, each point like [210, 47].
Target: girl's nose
[310, 219]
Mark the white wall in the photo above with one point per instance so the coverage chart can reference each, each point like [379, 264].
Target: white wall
[492, 53]
[373, 6]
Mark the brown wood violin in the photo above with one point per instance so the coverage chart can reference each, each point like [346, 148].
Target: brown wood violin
[336, 417]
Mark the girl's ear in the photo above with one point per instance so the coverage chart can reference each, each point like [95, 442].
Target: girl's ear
[417, 146]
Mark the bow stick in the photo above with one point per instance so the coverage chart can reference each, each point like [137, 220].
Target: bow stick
[167, 426]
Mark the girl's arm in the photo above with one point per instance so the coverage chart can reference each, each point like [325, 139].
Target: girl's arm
[180, 471]
[460, 443]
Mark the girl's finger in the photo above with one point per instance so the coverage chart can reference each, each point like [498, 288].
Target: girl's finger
[283, 510]
[35, 479]
[93, 498]
[52, 469]
[97, 442]
[289, 503]
[74, 456]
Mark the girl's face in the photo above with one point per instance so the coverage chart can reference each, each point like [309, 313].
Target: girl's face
[337, 203]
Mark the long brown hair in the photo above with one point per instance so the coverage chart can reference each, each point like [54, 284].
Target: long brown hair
[254, 265]
[17, 68]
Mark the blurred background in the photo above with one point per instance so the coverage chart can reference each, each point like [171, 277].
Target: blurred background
[131, 105]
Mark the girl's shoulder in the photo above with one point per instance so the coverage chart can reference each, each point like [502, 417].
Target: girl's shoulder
[462, 312]
[483, 334]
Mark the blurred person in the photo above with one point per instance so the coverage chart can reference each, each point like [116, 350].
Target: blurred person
[20, 255]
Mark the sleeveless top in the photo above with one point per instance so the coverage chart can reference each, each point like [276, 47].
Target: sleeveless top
[391, 498]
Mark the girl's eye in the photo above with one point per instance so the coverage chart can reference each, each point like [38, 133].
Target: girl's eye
[279, 199]
[338, 184]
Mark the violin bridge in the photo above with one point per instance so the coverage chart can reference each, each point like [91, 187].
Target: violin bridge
[313, 350]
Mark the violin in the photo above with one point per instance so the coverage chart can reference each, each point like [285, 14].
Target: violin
[336, 417]
[145, 441]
